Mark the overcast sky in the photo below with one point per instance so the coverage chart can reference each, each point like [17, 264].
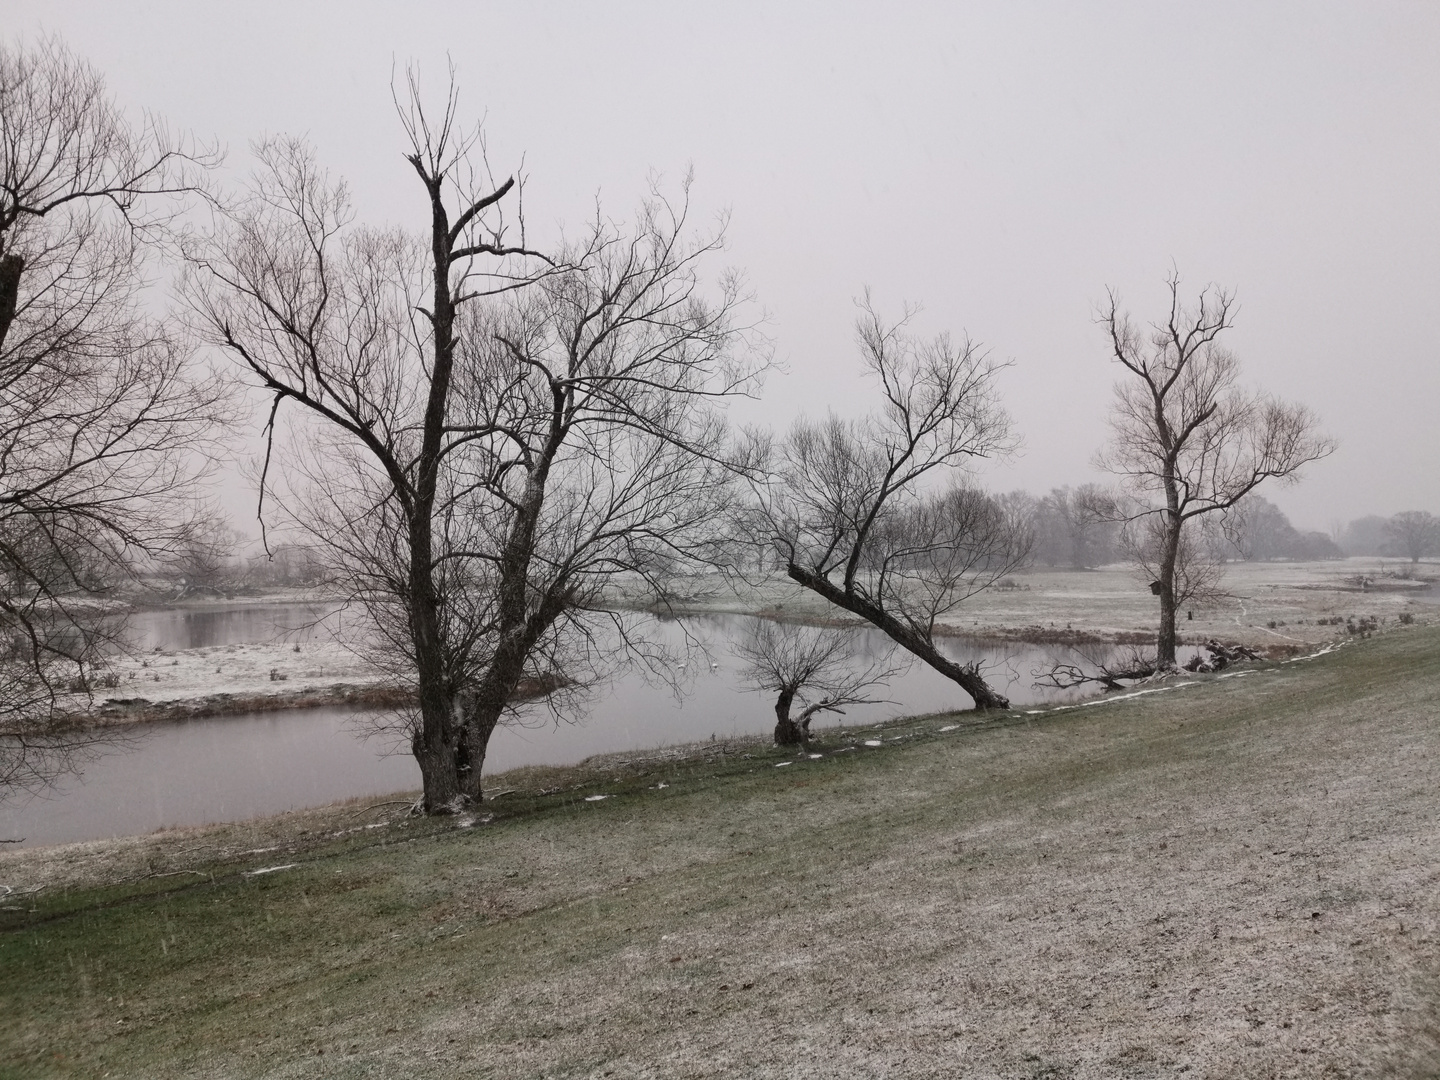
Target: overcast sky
[1002, 164]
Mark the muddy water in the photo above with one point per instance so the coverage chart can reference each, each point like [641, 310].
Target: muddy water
[236, 767]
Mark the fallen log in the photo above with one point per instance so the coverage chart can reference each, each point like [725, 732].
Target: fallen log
[1213, 656]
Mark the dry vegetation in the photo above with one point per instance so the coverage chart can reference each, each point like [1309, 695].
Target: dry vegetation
[1234, 878]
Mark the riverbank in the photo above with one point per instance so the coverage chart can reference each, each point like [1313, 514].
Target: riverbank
[1231, 876]
[249, 677]
[1280, 609]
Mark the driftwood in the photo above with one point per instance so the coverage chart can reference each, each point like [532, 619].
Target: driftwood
[1221, 657]
[1214, 656]
[1111, 677]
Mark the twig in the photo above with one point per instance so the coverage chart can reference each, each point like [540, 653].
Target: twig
[375, 806]
[175, 873]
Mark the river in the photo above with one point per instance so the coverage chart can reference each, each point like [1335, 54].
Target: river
[236, 767]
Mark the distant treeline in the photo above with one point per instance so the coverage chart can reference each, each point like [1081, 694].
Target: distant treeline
[1081, 528]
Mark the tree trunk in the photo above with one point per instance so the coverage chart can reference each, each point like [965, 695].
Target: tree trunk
[787, 732]
[438, 776]
[1165, 640]
[967, 677]
[483, 717]
[435, 743]
[11, 267]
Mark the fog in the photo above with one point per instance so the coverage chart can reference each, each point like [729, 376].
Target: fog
[1002, 164]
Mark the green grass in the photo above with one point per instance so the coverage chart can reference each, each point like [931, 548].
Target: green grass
[1235, 878]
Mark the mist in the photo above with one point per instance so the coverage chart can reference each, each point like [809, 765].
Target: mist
[1001, 165]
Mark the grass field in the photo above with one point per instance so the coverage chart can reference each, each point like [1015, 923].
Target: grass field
[1230, 877]
[1264, 603]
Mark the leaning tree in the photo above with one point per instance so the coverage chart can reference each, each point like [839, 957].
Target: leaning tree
[483, 436]
[875, 515]
[104, 417]
[1188, 442]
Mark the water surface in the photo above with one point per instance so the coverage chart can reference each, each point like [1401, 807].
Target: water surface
[237, 767]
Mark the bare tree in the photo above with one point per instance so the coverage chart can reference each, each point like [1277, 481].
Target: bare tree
[854, 511]
[818, 669]
[1185, 437]
[206, 561]
[1198, 567]
[103, 418]
[1413, 533]
[1080, 524]
[480, 461]
[1365, 536]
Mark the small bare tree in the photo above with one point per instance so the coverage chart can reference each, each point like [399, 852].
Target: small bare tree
[818, 669]
[1414, 534]
[1187, 439]
[486, 436]
[853, 510]
[104, 420]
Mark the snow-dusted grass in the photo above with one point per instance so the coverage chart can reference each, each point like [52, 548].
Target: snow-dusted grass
[1235, 880]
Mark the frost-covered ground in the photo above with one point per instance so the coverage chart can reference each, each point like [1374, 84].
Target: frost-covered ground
[1240, 879]
[247, 670]
[1114, 603]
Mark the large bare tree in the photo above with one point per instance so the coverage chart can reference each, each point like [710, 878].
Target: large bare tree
[487, 436]
[1187, 440]
[873, 514]
[1413, 534]
[103, 418]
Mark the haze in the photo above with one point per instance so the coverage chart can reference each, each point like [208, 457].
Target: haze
[1001, 164]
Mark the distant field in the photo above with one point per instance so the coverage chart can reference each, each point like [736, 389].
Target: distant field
[1231, 877]
[1113, 602]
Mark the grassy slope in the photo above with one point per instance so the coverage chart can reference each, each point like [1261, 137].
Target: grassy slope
[1238, 878]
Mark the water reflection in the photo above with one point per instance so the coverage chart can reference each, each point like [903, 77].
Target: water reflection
[208, 626]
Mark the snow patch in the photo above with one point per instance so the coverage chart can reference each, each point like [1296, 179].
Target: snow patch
[1312, 656]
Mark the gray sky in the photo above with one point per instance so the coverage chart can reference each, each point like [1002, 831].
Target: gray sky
[1000, 163]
